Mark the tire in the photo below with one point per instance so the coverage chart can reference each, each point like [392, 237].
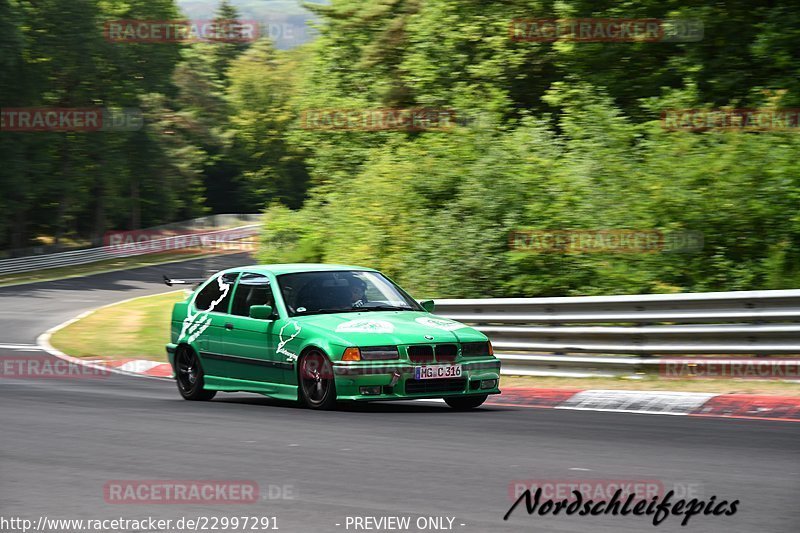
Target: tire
[465, 403]
[189, 376]
[317, 388]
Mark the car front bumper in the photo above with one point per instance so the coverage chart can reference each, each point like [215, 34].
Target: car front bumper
[396, 380]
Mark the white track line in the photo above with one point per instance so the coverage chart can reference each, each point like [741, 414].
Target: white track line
[23, 347]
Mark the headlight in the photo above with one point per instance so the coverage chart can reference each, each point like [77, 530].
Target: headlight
[378, 353]
[476, 349]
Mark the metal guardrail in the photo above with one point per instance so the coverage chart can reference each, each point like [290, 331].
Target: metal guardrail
[116, 251]
[548, 335]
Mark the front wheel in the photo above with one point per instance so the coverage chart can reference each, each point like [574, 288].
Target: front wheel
[463, 403]
[189, 376]
[317, 387]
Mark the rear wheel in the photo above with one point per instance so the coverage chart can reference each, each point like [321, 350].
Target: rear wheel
[317, 387]
[189, 376]
[463, 403]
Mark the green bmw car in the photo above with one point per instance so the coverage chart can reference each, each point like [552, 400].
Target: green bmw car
[321, 334]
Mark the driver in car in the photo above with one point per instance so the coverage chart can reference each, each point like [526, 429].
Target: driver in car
[358, 292]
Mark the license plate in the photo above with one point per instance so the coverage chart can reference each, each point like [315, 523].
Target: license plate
[437, 371]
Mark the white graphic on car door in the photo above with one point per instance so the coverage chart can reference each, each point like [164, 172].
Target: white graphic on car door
[290, 356]
[195, 324]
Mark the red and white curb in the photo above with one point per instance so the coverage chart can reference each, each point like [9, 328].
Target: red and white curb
[142, 367]
[746, 406]
[128, 367]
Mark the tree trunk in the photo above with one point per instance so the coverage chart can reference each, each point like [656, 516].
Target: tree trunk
[99, 212]
[136, 206]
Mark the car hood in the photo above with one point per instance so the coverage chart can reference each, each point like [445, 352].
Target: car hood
[379, 328]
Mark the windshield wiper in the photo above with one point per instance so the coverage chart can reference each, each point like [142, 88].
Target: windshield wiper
[356, 310]
[330, 311]
[387, 308]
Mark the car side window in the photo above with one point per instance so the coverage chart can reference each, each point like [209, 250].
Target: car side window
[253, 289]
[217, 294]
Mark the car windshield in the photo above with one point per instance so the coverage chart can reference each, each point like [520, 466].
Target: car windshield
[309, 293]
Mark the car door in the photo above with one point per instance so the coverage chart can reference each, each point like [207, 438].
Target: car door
[251, 344]
[209, 316]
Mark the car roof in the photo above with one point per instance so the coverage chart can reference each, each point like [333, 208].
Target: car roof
[290, 268]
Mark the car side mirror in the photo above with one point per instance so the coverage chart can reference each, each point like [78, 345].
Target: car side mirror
[261, 312]
[427, 305]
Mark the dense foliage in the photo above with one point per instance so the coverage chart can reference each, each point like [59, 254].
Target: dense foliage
[562, 136]
[551, 136]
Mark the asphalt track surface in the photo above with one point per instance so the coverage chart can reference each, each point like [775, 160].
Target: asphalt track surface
[62, 440]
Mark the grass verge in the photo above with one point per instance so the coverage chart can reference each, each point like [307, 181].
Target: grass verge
[136, 329]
